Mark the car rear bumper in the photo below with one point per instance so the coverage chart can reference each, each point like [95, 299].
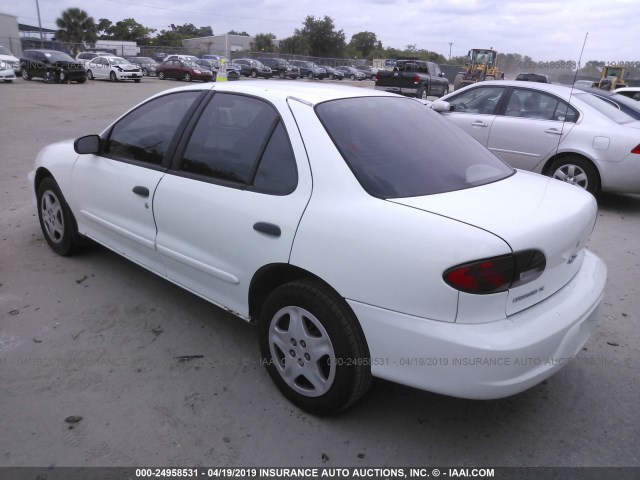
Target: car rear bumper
[400, 90]
[621, 177]
[490, 360]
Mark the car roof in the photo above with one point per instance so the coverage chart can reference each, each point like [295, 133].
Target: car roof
[310, 93]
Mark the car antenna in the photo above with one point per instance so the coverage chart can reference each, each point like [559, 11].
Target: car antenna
[575, 76]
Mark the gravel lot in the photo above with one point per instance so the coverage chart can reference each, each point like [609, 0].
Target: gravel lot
[98, 337]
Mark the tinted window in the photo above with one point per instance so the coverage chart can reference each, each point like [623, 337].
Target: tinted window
[277, 171]
[230, 139]
[606, 108]
[534, 104]
[145, 134]
[477, 100]
[413, 152]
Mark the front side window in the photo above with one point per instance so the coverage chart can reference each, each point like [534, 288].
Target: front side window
[242, 140]
[414, 152]
[144, 134]
[482, 100]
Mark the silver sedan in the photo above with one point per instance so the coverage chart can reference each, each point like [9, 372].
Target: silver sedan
[555, 130]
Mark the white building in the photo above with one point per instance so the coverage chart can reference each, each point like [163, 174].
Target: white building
[217, 45]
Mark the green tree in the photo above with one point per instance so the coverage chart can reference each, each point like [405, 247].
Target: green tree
[127, 30]
[294, 45]
[242, 34]
[321, 37]
[364, 42]
[263, 42]
[76, 26]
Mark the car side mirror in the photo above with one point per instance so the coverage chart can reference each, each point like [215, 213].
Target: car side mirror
[89, 144]
[440, 106]
[441, 74]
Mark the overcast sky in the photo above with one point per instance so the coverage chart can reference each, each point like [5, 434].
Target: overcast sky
[543, 29]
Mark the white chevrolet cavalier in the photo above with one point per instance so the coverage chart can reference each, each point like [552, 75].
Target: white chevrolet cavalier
[363, 233]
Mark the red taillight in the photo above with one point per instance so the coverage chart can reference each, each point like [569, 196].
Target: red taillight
[497, 274]
[375, 77]
[416, 79]
[636, 150]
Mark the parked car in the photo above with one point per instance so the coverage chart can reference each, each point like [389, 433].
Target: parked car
[271, 206]
[280, 67]
[630, 92]
[370, 72]
[555, 130]
[52, 66]
[184, 70]
[147, 64]
[189, 58]
[9, 61]
[309, 69]
[533, 77]
[7, 75]
[214, 66]
[352, 73]
[253, 68]
[585, 83]
[113, 68]
[85, 57]
[333, 73]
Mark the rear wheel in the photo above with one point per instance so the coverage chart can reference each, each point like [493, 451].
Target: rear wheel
[352, 77]
[314, 348]
[145, 72]
[310, 75]
[576, 171]
[457, 81]
[56, 220]
[187, 77]
[282, 75]
[254, 74]
[161, 76]
[136, 80]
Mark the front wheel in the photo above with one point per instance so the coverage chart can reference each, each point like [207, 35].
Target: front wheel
[254, 74]
[25, 74]
[187, 77]
[145, 72]
[282, 75]
[576, 171]
[161, 76]
[90, 75]
[56, 220]
[314, 348]
[445, 90]
[113, 77]
[310, 75]
[352, 77]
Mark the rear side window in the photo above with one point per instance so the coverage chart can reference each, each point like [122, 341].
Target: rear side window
[413, 152]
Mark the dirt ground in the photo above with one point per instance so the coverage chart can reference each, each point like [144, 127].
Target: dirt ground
[162, 378]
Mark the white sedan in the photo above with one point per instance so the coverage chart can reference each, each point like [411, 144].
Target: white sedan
[631, 92]
[555, 130]
[114, 69]
[362, 248]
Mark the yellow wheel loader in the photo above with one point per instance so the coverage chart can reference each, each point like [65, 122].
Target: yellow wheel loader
[482, 66]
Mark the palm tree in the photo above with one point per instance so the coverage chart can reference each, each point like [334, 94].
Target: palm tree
[76, 26]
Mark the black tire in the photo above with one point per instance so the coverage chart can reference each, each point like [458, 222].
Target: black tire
[161, 76]
[81, 80]
[25, 74]
[145, 72]
[90, 75]
[113, 77]
[324, 334]
[254, 74]
[577, 171]
[352, 77]
[282, 75]
[445, 90]
[56, 220]
[457, 81]
[187, 77]
[422, 93]
[310, 75]
[136, 80]
[49, 77]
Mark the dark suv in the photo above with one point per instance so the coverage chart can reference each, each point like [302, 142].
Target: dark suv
[309, 69]
[52, 66]
[281, 68]
[533, 77]
[253, 68]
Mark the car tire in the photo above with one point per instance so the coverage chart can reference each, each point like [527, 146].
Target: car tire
[577, 171]
[306, 327]
[310, 75]
[457, 81]
[422, 93]
[161, 76]
[282, 75]
[81, 80]
[90, 75]
[49, 77]
[445, 91]
[25, 74]
[145, 72]
[113, 77]
[254, 74]
[352, 77]
[136, 80]
[56, 220]
[187, 77]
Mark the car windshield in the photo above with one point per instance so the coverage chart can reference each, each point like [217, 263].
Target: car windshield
[414, 152]
[605, 107]
[119, 61]
[58, 57]
[5, 51]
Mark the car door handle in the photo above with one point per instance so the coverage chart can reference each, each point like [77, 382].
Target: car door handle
[142, 191]
[267, 229]
[553, 131]
[479, 124]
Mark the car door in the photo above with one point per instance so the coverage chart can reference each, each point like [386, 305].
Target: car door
[101, 70]
[474, 110]
[232, 201]
[532, 127]
[113, 190]
[438, 82]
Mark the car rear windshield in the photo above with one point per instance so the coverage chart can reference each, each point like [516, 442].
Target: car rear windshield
[397, 147]
[605, 107]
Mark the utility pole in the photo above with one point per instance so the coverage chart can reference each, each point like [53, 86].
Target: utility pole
[450, 45]
[40, 25]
